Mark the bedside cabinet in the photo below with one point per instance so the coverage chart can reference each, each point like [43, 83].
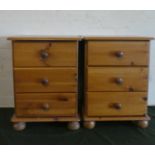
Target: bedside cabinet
[116, 79]
[45, 80]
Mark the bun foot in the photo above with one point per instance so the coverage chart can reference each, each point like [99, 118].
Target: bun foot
[73, 125]
[19, 126]
[89, 124]
[143, 124]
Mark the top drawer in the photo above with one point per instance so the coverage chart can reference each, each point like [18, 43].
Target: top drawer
[45, 53]
[118, 53]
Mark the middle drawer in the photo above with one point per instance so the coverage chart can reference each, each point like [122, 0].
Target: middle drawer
[45, 80]
[117, 79]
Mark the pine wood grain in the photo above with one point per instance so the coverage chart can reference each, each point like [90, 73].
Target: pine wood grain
[44, 38]
[46, 104]
[15, 119]
[103, 53]
[104, 78]
[28, 54]
[59, 79]
[102, 104]
[117, 38]
[116, 118]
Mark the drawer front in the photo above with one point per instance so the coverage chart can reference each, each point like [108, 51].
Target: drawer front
[45, 80]
[37, 54]
[117, 53]
[117, 79]
[116, 103]
[49, 104]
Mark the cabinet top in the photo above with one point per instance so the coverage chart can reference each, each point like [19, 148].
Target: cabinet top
[44, 38]
[117, 38]
[74, 38]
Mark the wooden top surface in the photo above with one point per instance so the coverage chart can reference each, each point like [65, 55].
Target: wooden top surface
[44, 38]
[67, 38]
[118, 38]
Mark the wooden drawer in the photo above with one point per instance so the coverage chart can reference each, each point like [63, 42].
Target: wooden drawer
[49, 104]
[45, 79]
[117, 53]
[116, 103]
[45, 53]
[117, 79]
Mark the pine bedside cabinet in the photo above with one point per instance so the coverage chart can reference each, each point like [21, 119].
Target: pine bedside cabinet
[116, 79]
[45, 80]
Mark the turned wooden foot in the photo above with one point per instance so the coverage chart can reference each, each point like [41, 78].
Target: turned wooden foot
[143, 123]
[73, 125]
[89, 124]
[19, 126]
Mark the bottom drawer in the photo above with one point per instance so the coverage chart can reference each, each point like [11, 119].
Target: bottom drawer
[116, 103]
[49, 104]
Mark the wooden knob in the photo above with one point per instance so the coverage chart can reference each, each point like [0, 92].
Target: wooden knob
[45, 81]
[145, 98]
[117, 106]
[45, 106]
[44, 54]
[119, 80]
[119, 54]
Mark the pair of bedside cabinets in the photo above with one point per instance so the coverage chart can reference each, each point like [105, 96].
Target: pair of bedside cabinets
[73, 79]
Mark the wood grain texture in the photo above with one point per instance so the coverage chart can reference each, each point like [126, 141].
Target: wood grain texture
[104, 53]
[44, 38]
[59, 79]
[45, 86]
[117, 38]
[103, 103]
[116, 118]
[46, 104]
[28, 54]
[116, 78]
[15, 119]
[105, 79]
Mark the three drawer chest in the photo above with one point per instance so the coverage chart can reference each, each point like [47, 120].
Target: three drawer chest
[45, 80]
[116, 79]
[73, 79]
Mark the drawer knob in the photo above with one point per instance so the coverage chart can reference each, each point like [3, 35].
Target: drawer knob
[119, 81]
[119, 54]
[145, 98]
[44, 54]
[45, 106]
[45, 82]
[117, 106]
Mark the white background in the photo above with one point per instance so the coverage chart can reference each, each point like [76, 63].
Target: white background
[134, 23]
